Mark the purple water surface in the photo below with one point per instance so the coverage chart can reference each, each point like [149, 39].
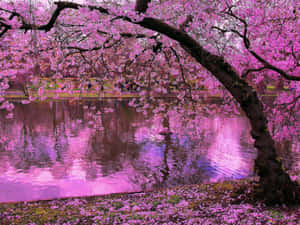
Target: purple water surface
[60, 149]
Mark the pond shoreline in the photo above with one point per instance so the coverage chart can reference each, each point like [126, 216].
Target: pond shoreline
[19, 96]
[187, 204]
[89, 95]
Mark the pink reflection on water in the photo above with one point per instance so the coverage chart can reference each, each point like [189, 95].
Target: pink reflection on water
[61, 179]
[225, 152]
[40, 183]
[78, 144]
[222, 153]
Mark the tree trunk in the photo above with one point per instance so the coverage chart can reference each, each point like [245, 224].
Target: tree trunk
[275, 184]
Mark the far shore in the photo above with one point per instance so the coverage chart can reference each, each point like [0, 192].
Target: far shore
[15, 95]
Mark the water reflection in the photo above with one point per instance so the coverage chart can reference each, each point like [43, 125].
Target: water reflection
[57, 149]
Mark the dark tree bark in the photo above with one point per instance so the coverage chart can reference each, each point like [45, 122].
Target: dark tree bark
[141, 5]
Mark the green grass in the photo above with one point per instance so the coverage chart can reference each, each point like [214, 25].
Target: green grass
[51, 88]
[173, 199]
[117, 205]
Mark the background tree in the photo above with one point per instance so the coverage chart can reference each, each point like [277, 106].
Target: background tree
[192, 40]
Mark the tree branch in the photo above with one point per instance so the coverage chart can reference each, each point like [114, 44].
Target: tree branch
[252, 70]
[297, 59]
[155, 25]
[274, 68]
[182, 73]
[246, 41]
[6, 28]
[188, 19]
[141, 6]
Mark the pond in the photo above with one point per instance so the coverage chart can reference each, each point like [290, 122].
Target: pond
[63, 148]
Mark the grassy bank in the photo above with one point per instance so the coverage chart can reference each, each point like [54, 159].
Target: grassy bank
[190, 204]
[52, 94]
[57, 89]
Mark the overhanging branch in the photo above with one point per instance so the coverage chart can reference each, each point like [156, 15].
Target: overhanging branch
[153, 24]
[252, 70]
[141, 6]
[246, 41]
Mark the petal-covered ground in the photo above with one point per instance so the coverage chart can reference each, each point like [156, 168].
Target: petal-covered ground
[190, 204]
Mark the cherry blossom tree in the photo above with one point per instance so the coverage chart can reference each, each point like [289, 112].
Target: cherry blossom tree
[236, 49]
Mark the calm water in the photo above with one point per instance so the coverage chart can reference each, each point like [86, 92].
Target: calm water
[59, 149]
